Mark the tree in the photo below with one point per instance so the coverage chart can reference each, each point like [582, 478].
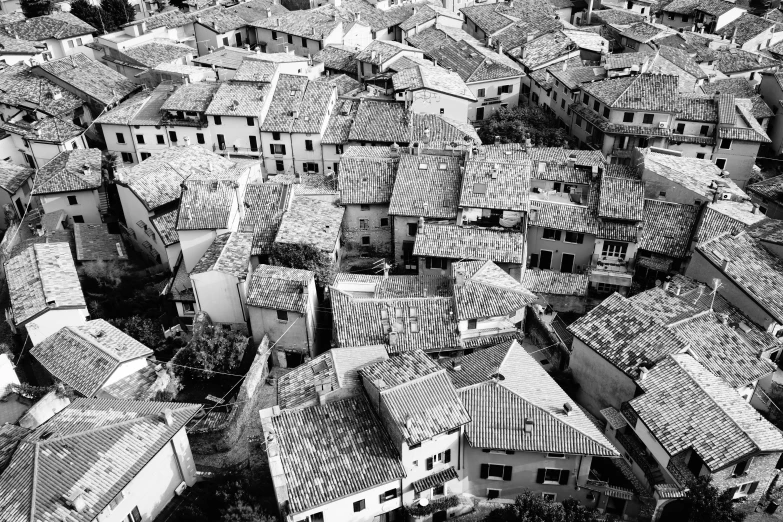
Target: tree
[305, 257]
[707, 504]
[32, 8]
[143, 329]
[511, 126]
[215, 350]
[118, 12]
[532, 507]
[231, 497]
[88, 13]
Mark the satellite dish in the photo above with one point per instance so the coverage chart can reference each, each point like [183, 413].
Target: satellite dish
[424, 501]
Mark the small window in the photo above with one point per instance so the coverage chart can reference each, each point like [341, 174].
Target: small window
[388, 495]
[145, 155]
[282, 315]
[274, 35]
[277, 149]
[555, 455]
[71, 44]
[310, 166]
[472, 323]
[412, 228]
[72, 200]
[574, 237]
[364, 208]
[700, 155]
[308, 144]
[358, 506]
[741, 468]
[290, 38]
[492, 493]
[338, 149]
[505, 89]
[720, 163]
[161, 140]
[364, 224]
[628, 117]
[481, 93]
[304, 42]
[250, 121]
[555, 475]
[200, 138]
[578, 121]
[384, 222]
[725, 143]
[554, 96]
[127, 157]
[188, 308]
[551, 234]
[225, 41]
[648, 119]
[552, 497]
[705, 129]
[120, 137]
[172, 136]
[78, 219]
[134, 515]
[218, 120]
[585, 98]
[140, 139]
[276, 136]
[439, 490]
[78, 41]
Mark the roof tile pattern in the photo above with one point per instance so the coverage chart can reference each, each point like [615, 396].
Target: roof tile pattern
[280, 288]
[432, 192]
[311, 221]
[455, 242]
[94, 243]
[667, 227]
[486, 290]
[70, 171]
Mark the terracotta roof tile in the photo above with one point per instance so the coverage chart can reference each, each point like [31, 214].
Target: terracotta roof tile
[455, 242]
[501, 186]
[94, 79]
[311, 221]
[621, 198]
[486, 290]
[366, 180]
[94, 243]
[193, 97]
[667, 227]
[280, 288]
[555, 283]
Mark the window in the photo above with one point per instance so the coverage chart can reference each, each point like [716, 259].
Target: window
[552, 476]
[127, 157]
[562, 103]
[274, 35]
[436, 263]
[338, 149]
[308, 144]
[607, 288]
[316, 517]
[596, 106]
[551, 234]
[172, 136]
[480, 113]
[495, 472]
[585, 98]
[225, 41]
[481, 93]
[705, 129]
[390, 30]
[120, 137]
[282, 315]
[310, 167]
[614, 249]
[753, 74]
[725, 143]
[412, 227]
[628, 117]
[744, 490]
[140, 139]
[218, 120]
[648, 119]
[200, 137]
[238, 39]
[78, 41]
[277, 149]
[439, 490]
[554, 96]
[578, 121]
[71, 44]
[700, 155]
[145, 155]
[388, 495]
[741, 468]
[551, 497]
[74, 145]
[78, 219]
[358, 506]
[72, 200]
[685, 18]
[662, 193]
[276, 136]
[134, 515]
[364, 208]
[253, 144]
[364, 224]
[505, 89]
[160, 139]
[384, 222]
[250, 121]
[492, 493]
[188, 308]
[304, 42]
[720, 163]
[574, 237]
[555, 455]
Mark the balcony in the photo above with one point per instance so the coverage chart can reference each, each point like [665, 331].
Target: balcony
[238, 151]
[611, 270]
[637, 456]
[559, 197]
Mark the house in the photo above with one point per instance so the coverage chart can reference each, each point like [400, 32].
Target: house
[679, 14]
[433, 90]
[338, 59]
[89, 357]
[768, 233]
[265, 204]
[60, 33]
[176, 74]
[16, 182]
[282, 304]
[770, 87]
[184, 115]
[534, 408]
[729, 257]
[15, 51]
[768, 195]
[313, 222]
[44, 290]
[378, 56]
[224, 61]
[216, 28]
[366, 183]
[569, 76]
[725, 216]
[751, 32]
[332, 376]
[738, 63]
[425, 419]
[155, 452]
[95, 243]
[713, 15]
[237, 110]
[564, 292]
[500, 21]
[220, 279]
[640, 37]
[73, 182]
[364, 486]
[743, 90]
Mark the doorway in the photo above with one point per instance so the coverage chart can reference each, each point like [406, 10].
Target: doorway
[545, 260]
[567, 263]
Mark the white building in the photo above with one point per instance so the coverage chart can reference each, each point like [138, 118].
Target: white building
[60, 33]
[73, 182]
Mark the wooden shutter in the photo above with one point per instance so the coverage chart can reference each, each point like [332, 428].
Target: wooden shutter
[540, 476]
[484, 471]
[447, 456]
[752, 488]
[429, 463]
[271, 148]
[564, 477]
[507, 472]
[731, 492]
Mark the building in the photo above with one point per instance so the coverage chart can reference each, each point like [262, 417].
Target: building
[73, 182]
[768, 195]
[373, 62]
[665, 239]
[265, 204]
[751, 32]
[564, 292]
[60, 33]
[216, 28]
[88, 357]
[738, 63]
[433, 90]
[44, 290]
[713, 15]
[770, 87]
[184, 115]
[282, 304]
[313, 222]
[236, 112]
[768, 233]
[94, 243]
[147, 469]
[16, 182]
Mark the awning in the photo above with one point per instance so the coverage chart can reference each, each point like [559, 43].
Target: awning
[436, 479]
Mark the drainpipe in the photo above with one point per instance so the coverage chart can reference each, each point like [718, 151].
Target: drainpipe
[589, 11]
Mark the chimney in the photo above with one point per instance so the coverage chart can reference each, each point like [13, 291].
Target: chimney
[716, 197]
[565, 65]
[725, 264]
[277, 22]
[414, 9]
[568, 408]
[723, 318]
[500, 48]
[755, 208]
[456, 365]
[198, 19]
[408, 422]
[734, 36]
[665, 286]
[269, 13]
[489, 41]
[589, 15]
[167, 417]
[511, 3]
[358, 16]
[421, 226]
[75, 500]
[643, 373]
[572, 160]
[676, 290]
[372, 55]
[392, 338]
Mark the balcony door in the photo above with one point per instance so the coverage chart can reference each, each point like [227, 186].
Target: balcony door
[567, 263]
[545, 260]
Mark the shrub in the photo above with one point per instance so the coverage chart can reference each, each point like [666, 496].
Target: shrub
[214, 350]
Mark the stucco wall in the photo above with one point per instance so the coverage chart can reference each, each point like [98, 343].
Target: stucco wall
[221, 295]
[87, 205]
[380, 236]
[45, 325]
[601, 384]
[582, 252]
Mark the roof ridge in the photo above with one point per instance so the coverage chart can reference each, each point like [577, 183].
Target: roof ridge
[94, 342]
[419, 378]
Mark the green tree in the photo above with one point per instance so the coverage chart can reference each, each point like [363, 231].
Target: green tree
[214, 350]
[305, 257]
[32, 8]
[231, 497]
[532, 507]
[512, 125]
[88, 13]
[118, 12]
[707, 504]
[143, 329]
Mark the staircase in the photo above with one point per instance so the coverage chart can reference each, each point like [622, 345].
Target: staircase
[103, 200]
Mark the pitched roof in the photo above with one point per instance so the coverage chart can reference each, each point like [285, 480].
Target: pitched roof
[206, 204]
[166, 225]
[685, 406]
[157, 52]
[224, 58]
[13, 176]
[768, 188]
[70, 171]
[56, 26]
[42, 277]
[366, 180]
[435, 79]
[255, 71]
[89, 434]
[767, 231]
[735, 60]
[392, 286]
[193, 97]
[621, 198]
[85, 357]
[339, 366]
[280, 288]
[483, 290]
[265, 204]
[93, 243]
[696, 175]
[337, 57]
[239, 99]
[332, 451]
[501, 186]
[92, 78]
[417, 394]
[667, 227]
[477, 367]
[379, 52]
[221, 20]
[528, 393]
[745, 28]
[19, 86]
[653, 92]
[229, 254]
[556, 283]
[298, 105]
[456, 242]
[311, 221]
[726, 216]
[680, 59]
[432, 192]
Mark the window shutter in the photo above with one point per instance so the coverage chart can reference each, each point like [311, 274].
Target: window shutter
[511, 88]
[484, 471]
[507, 472]
[271, 148]
[500, 90]
[428, 262]
[564, 477]
[429, 463]
[750, 463]
[447, 456]
[540, 476]
[382, 498]
[283, 151]
[752, 488]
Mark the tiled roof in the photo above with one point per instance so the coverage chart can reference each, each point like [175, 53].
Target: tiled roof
[653, 92]
[298, 105]
[92, 78]
[643, 31]
[224, 58]
[575, 73]
[739, 87]
[229, 254]
[574, 218]
[255, 71]
[85, 357]
[745, 28]
[750, 266]
[621, 198]
[393, 286]
[280, 288]
[339, 366]
[698, 107]
[484, 290]
[333, 451]
[456, 242]
[364, 322]
[267, 203]
[680, 59]
[93, 243]
[344, 84]
[431, 78]
[238, 99]
[136, 386]
[13, 176]
[626, 60]
[726, 216]
[528, 393]
[174, 18]
[715, 7]
[18, 86]
[55, 26]
[556, 283]
[311, 221]
[477, 367]
[256, 9]
[617, 16]
[383, 51]
[42, 277]
[755, 132]
[686, 407]
[159, 51]
[206, 204]
[667, 227]
[694, 174]
[501, 186]
[418, 396]
[51, 129]
[313, 24]
[166, 226]
[221, 20]
[736, 60]
[436, 479]
[768, 188]
[123, 113]
[70, 171]
[338, 58]
[193, 97]
[768, 231]
[685, 7]
[340, 122]
[366, 180]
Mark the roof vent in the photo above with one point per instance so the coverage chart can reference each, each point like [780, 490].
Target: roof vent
[422, 166]
[213, 185]
[408, 422]
[392, 338]
[456, 365]
[643, 373]
[442, 166]
[75, 500]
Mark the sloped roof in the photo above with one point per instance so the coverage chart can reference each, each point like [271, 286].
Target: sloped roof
[432, 193]
[654, 92]
[238, 99]
[337, 57]
[621, 198]
[694, 174]
[735, 60]
[366, 180]
[456, 242]
[18, 86]
[92, 78]
[745, 28]
[265, 204]
[57, 26]
[726, 216]
[667, 227]
[160, 51]
[93, 243]
[311, 221]
[229, 253]
[70, 171]
[557, 283]
[13, 176]
[431, 78]
[280, 288]
[206, 204]
[298, 105]
[193, 97]
[484, 290]
[255, 71]
[502, 186]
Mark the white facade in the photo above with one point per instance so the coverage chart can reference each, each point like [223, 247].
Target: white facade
[342, 510]
[222, 296]
[53, 321]
[82, 204]
[134, 211]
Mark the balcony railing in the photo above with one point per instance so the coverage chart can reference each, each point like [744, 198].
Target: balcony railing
[241, 151]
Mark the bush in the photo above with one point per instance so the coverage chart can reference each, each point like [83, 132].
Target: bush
[513, 125]
[214, 350]
[532, 507]
[232, 497]
[143, 329]
[305, 257]
[110, 16]
[32, 8]
[707, 504]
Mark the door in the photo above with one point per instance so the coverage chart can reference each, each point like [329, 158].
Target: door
[239, 40]
[567, 263]
[545, 260]
[221, 142]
